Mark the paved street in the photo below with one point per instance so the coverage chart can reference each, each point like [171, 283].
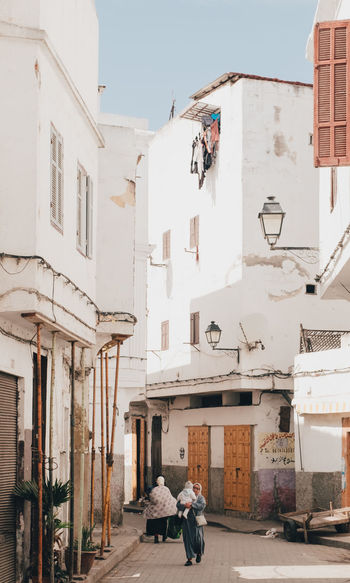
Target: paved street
[233, 557]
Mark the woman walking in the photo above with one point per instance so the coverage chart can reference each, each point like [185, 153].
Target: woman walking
[193, 535]
[162, 505]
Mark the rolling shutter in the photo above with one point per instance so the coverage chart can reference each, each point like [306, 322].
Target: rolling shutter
[8, 471]
[331, 93]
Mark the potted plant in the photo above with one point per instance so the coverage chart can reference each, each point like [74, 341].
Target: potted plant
[88, 551]
[54, 495]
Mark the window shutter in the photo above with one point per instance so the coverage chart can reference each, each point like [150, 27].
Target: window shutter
[332, 93]
[89, 216]
[56, 178]
[165, 335]
[81, 205]
[196, 328]
[166, 245]
[196, 231]
[192, 233]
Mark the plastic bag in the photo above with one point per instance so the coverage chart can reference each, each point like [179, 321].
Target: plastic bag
[174, 527]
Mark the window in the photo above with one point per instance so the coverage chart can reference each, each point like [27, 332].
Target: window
[166, 245]
[165, 335]
[194, 232]
[194, 330]
[56, 178]
[84, 212]
[333, 188]
[284, 424]
[310, 288]
[332, 91]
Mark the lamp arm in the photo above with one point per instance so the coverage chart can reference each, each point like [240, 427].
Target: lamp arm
[230, 350]
[274, 248]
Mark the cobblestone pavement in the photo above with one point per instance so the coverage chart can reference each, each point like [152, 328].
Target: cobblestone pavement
[233, 557]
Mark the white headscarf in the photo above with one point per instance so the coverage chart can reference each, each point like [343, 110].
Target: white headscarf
[188, 485]
[160, 481]
[200, 486]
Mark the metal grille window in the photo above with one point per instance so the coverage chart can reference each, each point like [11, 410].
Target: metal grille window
[84, 212]
[194, 232]
[165, 335]
[194, 331]
[56, 178]
[166, 245]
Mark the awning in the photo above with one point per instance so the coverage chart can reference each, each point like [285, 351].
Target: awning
[321, 405]
[198, 109]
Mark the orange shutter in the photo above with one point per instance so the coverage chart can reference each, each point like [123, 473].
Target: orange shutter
[331, 93]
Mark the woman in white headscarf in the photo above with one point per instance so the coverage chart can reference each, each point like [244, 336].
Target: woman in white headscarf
[193, 535]
[162, 505]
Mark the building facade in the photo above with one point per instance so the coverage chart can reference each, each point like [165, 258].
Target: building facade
[223, 417]
[321, 383]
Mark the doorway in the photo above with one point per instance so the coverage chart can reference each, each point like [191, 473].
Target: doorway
[156, 450]
[198, 456]
[138, 457]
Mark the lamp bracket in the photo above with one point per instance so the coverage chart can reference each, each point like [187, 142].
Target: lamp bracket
[229, 350]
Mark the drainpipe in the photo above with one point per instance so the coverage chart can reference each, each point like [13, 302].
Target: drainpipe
[93, 456]
[111, 449]
[102, 450]
[40, 457]
[72, 447]
[81, 465]
[107, 446]
[52, 392]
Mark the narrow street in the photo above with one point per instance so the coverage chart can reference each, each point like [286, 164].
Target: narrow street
[232, 557]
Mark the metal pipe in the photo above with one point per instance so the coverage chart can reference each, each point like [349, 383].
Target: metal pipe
[40, 456]
[81, 464]
[52, 393]
[111, 449]
[102, 448]
[72, 447]
[107, 439]
[93, 456]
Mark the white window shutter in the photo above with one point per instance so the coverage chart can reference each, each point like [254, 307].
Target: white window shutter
[79, 207]
[89, 216]
[56, 178]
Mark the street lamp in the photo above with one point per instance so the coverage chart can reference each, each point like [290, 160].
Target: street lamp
[271, 220]
[213, 334]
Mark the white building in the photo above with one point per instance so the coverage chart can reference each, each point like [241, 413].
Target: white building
[211, 416]
[58, 237]
[322, 372]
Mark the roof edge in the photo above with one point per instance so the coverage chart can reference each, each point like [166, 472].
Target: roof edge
[234, 77]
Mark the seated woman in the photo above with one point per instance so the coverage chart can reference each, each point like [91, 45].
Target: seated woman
[162, 505]
[193, 535]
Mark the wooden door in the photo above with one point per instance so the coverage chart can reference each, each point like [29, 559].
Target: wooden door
[138, 457]
[156, 447]
[198, 456]
[237, 473]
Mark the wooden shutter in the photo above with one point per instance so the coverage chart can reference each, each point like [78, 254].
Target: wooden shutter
[194, 335]
[89, 216]
[166, 245]
[80, 181]
[331, 93]
[8, 475]
[56, 179]
[194, 232]
[165, 335]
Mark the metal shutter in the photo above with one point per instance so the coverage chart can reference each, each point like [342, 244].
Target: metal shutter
[8, 465]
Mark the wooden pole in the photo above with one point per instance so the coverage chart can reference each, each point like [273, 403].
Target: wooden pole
[93, 456]
[40, 456]
[102, 450]
[111, 449]
[72, 447]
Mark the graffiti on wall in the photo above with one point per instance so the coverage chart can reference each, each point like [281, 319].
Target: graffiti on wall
[276, 450]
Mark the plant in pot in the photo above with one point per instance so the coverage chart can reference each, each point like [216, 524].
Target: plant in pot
[88, 551]
[55, 494]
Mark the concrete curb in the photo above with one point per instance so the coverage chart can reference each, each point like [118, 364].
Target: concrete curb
[120, 551]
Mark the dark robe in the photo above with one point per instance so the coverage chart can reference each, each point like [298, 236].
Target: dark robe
[193, 535]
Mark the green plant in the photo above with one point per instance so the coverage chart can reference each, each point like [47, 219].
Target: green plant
[86, 543]
[54, 495]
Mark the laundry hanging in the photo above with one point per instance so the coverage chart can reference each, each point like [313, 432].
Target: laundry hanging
[205, 146]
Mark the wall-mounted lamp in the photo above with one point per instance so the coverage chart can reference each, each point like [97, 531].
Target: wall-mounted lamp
[213, 334]
[182, 453]
[271, 220]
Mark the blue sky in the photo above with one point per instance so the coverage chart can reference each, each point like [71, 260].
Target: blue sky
[152, 50]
